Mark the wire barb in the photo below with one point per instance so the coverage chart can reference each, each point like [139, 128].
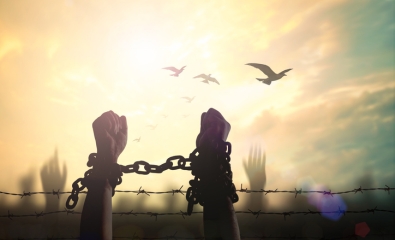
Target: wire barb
[255, 213]
[312, 212]
[55, 193]
[270, 191]
[142, 191]
[25, 194]
[328, 193]
[128, 213]
[298, 192]
[154, 215]
[39, 214]
[10, 215]
[372, 210]
[178, 190]
[387, 189]
[358, 190]
[243, 190]
[341, 211]
[286, 214]
[183, 214]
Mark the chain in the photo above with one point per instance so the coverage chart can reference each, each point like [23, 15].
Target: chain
[213, 174]
[149, 168]
[116, 171]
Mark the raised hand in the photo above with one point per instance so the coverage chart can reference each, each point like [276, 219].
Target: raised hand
[255, 168]
[256, 173]
[212, 126]
[219, 218]
[111, 134]
[52, 178]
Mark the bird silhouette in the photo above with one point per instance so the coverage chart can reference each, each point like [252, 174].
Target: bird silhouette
[272, 76]
[137, 139]
[207, 78]
[189, 100]
[152, 126]
[175, 70]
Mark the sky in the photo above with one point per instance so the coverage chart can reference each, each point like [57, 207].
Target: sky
[330, 121]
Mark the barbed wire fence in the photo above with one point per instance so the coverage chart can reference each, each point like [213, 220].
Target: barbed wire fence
[182, 165]
[183, 214]
[155, 215]
[241, 190]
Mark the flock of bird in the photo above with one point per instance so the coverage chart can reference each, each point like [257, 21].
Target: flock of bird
[271, 76]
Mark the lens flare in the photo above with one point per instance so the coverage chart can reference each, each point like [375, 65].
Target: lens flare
[327, 203]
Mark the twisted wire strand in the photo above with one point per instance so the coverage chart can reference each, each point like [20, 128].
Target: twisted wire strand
[241, 190]
[183, 214]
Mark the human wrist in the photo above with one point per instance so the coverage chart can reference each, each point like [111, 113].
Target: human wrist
[105, 172]
[103, 163]
[99, 184]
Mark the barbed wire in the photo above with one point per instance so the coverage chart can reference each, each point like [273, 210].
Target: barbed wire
[183, 214]
[173, 191]
[241, 237]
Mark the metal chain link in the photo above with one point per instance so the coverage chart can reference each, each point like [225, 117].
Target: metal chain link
[116, 171]
[212, 171]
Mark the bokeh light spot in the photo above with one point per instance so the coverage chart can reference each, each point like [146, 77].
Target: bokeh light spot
[362, 229]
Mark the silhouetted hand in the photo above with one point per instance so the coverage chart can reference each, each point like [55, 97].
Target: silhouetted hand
[111, 134]
[255, 169]
[212, 126]
[52, 178]
[219, 217]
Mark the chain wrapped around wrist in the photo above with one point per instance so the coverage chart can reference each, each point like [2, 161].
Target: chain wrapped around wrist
[213, 174]
[96, 176]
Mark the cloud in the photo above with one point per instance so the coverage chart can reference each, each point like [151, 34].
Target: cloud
[330, 141]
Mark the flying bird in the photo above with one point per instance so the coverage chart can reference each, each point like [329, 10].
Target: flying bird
[272, 76]
[152, 126]
[207, 78]
[175, 70]
[137, 139]
[189, 100]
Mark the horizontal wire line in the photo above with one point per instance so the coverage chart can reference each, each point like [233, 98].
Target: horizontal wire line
[173, 191]
[154, 214]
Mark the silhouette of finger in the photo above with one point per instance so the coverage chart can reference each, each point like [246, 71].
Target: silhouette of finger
[123, 125]
[259, 165]
[245, 166]
[117, 126]
[202, 121]
[111, 118]
[250, 157]
[101, 123]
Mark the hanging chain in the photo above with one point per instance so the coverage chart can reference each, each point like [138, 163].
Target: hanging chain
[213, 174]
[117, 170]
